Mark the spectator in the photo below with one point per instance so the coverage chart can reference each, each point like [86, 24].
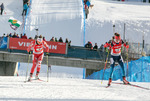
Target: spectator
[86, 8]
[35, 37]
[40, 36]
[28, 3]
[101, 48]
[20, 35]
[3, 35]
[44, 39]
[87, 4]
[69, 44]
[86, 11]
[7, 35]
[95, 47]
[52, 39]
[2, 8]
[66, 40]
[56, 39]
[60, 39]
[89, 45]
[17, 36]
[10, 35]
[14, 36]
[30, 38]
[24, 36]
[25, 7]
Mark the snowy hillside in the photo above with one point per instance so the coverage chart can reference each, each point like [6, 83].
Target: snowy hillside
[56, 18]
[105, 13]
[14, 89]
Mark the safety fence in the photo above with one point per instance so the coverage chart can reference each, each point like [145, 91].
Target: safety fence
[18, 45]
[136, 71]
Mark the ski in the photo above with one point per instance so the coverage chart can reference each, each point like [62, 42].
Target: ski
[26, 81]
[39, 80]
[132, 85]
[107, 86]
[34, 80]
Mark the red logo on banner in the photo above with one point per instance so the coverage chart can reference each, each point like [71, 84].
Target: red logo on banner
[23, 44]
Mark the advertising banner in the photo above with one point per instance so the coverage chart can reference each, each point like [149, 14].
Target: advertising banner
[3, 42]
[23, 44]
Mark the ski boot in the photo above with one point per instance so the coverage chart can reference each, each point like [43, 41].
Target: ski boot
[37, 76]
[109, 83]
[29, 79]
[125, 81]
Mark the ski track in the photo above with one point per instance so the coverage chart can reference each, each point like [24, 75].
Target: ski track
[66, 89]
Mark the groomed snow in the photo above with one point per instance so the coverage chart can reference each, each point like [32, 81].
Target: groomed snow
[60, 89]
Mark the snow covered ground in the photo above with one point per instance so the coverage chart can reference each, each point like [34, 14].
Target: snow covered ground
[65, 89]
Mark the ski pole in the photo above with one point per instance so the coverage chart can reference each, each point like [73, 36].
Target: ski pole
[47, 70]
[27, 68]
[113, 29]
[105, 66]
[127, 63]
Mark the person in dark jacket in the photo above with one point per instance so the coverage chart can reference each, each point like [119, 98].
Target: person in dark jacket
[66, 40]
[89, 45]
[60, 39]
[101, 48]
[2, 8]
[14, 36]
[95, 47]
[25, 7]
[24, 36]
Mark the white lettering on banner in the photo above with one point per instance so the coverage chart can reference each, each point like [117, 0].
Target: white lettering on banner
[52, 47]
[28, 44]
[24, 44]
[13, 47]
[20, 44]
[61, 43]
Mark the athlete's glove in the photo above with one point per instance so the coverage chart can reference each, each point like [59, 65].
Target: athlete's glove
[29, 52]
[47, 54]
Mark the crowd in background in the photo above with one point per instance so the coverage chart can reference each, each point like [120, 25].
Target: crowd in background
[90, 46]
[25, 37]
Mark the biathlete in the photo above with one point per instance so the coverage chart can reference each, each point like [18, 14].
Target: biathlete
[37, 46]
[115, 46]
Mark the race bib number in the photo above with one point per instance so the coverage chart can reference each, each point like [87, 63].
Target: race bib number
[38, 49]
[117, 50]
